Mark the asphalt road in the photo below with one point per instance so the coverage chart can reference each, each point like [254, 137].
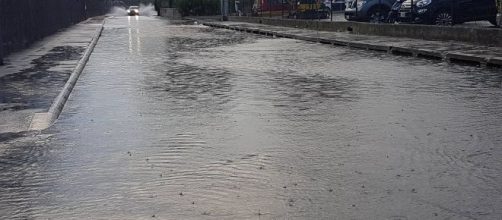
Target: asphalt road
[174, 121]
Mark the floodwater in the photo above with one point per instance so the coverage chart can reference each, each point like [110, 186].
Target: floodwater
[172, 121]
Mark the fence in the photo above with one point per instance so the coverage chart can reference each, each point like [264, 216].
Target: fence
[23, 22]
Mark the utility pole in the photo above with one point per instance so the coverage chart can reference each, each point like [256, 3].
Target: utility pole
[356, 8]
[1, 42]
[269, 8]
[331, 10]
[311, 16]
[412, 12]
[156, 6]
[282, 9]
[380, 16]
[261, 8]
[224, 10]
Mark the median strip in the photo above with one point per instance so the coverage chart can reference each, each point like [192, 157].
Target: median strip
[44, 120]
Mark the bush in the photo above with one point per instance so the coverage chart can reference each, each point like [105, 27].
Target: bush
[198, 7]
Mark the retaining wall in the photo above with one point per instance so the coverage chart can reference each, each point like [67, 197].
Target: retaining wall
[23, 22]
[483, 36]
[171, 13]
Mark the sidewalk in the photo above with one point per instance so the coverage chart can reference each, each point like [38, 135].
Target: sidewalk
[439, 50]
[31, 79]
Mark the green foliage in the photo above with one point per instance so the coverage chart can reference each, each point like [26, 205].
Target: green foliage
[198, 7]
[164, 3]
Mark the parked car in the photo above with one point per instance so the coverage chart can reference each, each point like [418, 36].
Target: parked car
[338, 5]
[368, 10]
[448, 12]
[133, 10]
[309, 9]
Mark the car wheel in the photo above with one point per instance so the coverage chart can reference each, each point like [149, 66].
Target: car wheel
[378, 15]
[443, 18]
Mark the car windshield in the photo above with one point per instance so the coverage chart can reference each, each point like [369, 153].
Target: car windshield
[134, 7]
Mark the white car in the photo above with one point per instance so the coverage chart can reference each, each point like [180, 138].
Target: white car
[133, 10]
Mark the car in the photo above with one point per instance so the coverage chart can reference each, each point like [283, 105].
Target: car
[338, 5]
[133, 10]
[374, 11]
[309, 9]
[448, 12]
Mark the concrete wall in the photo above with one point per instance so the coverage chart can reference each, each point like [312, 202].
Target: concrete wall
[1, 47]
[171, 13]
[483, 36]
[23, 22]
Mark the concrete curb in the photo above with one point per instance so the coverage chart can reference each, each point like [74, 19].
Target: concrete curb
[455, 56]
[44, 120]
[480, 36]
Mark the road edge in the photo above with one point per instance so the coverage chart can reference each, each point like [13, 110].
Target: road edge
[44, 120]
[481, 60]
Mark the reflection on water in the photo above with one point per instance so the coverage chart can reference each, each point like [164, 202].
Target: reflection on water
[187, 122]
[136, 35]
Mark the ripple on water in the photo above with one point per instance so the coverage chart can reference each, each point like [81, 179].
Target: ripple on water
[187, 122]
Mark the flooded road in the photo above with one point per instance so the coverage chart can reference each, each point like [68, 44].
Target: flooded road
[187, 122]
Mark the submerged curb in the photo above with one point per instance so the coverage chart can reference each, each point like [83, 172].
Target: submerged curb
[453, 56]
[44, 120]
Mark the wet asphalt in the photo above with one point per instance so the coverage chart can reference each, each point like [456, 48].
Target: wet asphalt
[173, 121]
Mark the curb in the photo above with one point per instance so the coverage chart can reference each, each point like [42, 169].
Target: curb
[453, 57]
[44, 120]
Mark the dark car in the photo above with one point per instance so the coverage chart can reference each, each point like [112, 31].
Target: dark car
[133, 10]
[368, 10]
[448, 12]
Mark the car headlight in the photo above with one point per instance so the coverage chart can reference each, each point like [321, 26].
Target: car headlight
[360, 4]
[423, 3]
[128, 11]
